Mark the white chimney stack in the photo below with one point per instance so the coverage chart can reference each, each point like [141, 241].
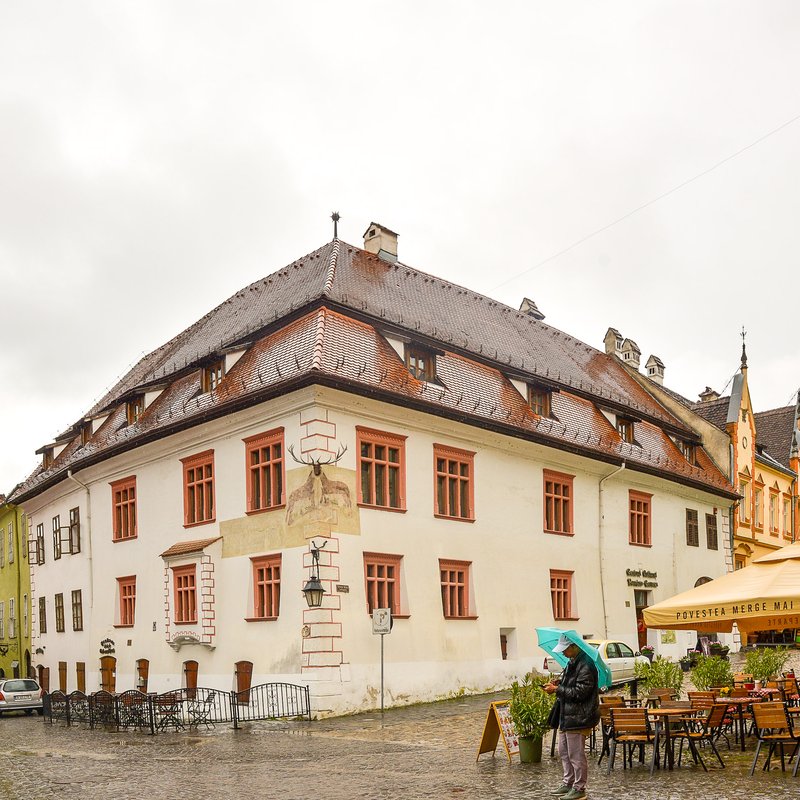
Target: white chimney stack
[381, 241]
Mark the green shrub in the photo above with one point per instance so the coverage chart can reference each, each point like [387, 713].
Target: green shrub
[765, 663]
[711, 671]
[530, 706]
[661, 673]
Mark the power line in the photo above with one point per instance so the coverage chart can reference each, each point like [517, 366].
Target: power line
[648, 203]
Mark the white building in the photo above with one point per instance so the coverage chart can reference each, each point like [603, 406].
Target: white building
[472, 468]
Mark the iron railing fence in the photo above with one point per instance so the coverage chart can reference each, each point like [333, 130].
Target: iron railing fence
[177, 709]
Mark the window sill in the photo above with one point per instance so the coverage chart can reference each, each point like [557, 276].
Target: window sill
[253, 511]
[559, 533]
[395, 616]
[456, 618]
[566, 619]
[260, 619]
[454, 519]
[693, 544]
[382, 508]
[184, 622]
[124, 626]
[118, 539]
[197, 524]
[640, 544]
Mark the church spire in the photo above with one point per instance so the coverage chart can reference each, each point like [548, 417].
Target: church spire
[744, 351]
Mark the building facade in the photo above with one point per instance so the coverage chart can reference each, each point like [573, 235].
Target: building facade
[15, 594]
[463, 464]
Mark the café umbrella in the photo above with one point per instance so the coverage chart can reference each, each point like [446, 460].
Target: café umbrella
[762, 596]
[548, 639]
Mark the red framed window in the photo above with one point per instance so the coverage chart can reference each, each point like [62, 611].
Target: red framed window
[265, 470]
[561, 594]
[639, 504]
[127, 600]
[773, 512]
[382, 581]
[453, 475]
[692, 528]
[123, 500]
[198, 488]
[454, 579]
[557, 502]
[266, 587]
[382, 469]
[185, 586]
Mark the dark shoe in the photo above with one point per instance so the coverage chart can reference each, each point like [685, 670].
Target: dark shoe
[561, 791]
[574, 794]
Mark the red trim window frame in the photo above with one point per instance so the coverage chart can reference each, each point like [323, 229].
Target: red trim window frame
[745, 490]
[454, 581]
[786, 516]
[184, 581]
[266, 587]
[382, 581]
[558, 502]
[123, 509]
[561, 588]
[198, 489]
[266, 471]
[758, 506]
[639, 518]
[126, 590]
[773, 512]
[381, 469]
[453, 483]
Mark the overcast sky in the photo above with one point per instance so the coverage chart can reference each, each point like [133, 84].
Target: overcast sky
[155, 157]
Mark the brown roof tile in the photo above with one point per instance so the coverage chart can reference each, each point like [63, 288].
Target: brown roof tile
[775, 432]
[185, 548]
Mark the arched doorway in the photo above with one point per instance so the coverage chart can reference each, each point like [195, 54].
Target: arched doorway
[190, 678]
[44, 677]
[142, 674]
[244, 677]
[108, 674]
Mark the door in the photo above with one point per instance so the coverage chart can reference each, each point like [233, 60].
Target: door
[244, 676]
[44, 678]
[108, 674]
[142, 674]
[190, 678]
[62, 676]
[80, 675]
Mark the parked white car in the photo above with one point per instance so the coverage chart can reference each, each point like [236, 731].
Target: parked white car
[618, 655]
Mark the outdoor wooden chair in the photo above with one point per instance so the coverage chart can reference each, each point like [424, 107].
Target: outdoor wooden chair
[631, 728]
[656, 696]
[699, 730]
[773, 727]
[741, 679]
[790, 691]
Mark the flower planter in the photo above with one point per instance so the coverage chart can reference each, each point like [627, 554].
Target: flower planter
[530, 749]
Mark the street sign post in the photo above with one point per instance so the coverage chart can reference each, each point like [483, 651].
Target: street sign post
[381, 625]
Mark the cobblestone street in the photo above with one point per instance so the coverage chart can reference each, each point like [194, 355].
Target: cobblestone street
[423, 751]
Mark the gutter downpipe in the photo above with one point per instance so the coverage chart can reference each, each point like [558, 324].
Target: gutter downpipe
[601, 545]
[88, 534]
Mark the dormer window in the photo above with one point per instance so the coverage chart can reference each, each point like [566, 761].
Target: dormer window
[421, 363]
[86, 433]
[135, 409]
[625, 429]
[539, 400]
[212, 376]
[47, 458]
[688, 451]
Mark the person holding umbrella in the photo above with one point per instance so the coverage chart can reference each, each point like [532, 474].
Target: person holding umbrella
[578, 703]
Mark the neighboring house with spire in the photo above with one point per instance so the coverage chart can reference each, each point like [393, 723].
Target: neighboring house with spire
[15, 594]
[467, 466]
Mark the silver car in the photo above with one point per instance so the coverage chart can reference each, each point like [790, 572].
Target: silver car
[20, 694]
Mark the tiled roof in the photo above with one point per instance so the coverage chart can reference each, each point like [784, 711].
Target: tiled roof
[775, 432]
[715, 411]
[298, 327]
[185, 548]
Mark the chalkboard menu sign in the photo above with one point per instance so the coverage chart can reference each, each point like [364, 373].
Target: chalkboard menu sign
[498, 727]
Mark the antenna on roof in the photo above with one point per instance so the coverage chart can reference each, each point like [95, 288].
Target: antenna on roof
[335, 218]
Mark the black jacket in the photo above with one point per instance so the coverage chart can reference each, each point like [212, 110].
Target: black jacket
[578, 694]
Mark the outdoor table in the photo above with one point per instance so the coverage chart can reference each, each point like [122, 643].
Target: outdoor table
[662, 717]
[740, 703]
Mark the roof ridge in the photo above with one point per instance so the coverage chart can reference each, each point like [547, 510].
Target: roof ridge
[781, 409]
[329, 278]
[319, 343]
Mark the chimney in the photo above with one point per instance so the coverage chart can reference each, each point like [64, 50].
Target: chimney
[631, 353]
[381, 241]
[655, 370]
[708, 394]
[613, 342]
[528, 307]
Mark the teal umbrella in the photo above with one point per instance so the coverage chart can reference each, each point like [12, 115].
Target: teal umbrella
[548, 639]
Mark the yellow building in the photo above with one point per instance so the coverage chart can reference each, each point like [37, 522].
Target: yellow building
[15, 593]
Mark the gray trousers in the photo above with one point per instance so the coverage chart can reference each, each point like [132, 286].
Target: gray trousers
[572, 749]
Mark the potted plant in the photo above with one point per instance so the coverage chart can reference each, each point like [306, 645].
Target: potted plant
[661, 673]
[686, 663]
[766, 663]
[529, 708]
[648, 651]
[711, 671]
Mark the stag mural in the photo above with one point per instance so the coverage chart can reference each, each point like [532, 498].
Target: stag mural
[318, 492]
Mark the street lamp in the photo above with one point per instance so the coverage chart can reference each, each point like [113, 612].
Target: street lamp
[313, 589]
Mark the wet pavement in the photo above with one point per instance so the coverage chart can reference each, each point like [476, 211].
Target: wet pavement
[418, 752]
